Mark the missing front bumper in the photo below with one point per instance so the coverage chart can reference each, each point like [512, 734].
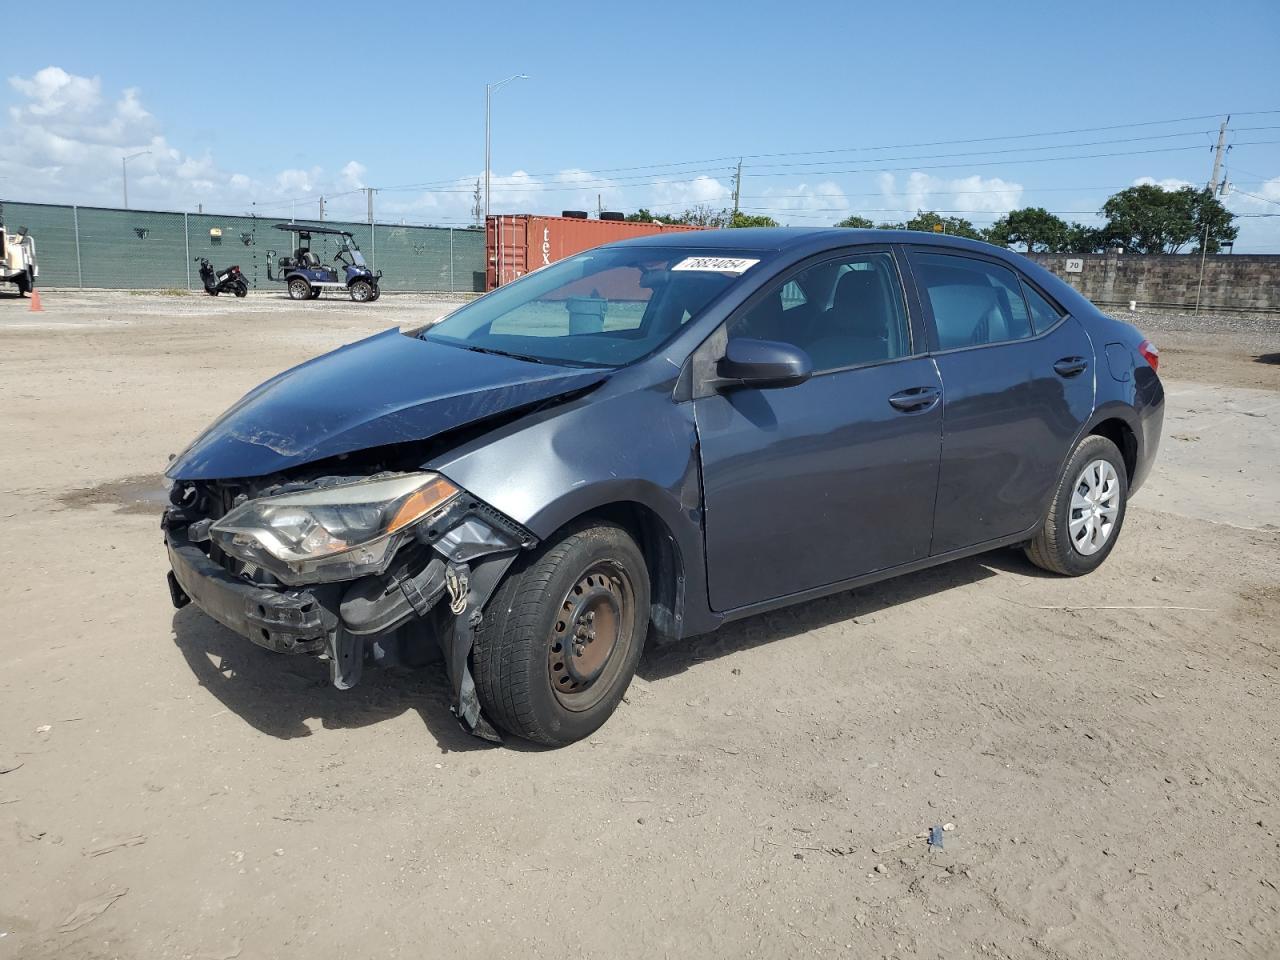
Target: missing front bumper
[292, 621]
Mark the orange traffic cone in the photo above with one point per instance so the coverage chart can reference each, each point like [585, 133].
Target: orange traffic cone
[35, 301]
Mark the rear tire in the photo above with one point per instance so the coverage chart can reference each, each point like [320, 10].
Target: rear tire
[299, 289]
[1087, 511]
[242, 289]
[562, 635]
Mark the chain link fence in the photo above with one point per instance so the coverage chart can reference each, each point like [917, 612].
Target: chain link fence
[148, 249]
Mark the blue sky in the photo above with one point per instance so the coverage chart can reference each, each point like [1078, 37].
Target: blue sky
[672, 92]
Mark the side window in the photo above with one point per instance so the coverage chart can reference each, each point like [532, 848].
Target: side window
[974, 302]
[1043, 314]
[842, 313]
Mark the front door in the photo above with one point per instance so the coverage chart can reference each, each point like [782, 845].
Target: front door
[834, 478]
[1017, 377]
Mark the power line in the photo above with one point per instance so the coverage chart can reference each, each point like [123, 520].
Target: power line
[863, 149]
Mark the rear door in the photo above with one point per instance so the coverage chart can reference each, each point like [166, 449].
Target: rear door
[1017, 377]
[835, 477]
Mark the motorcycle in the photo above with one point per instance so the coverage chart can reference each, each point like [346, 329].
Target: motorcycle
[230, 280]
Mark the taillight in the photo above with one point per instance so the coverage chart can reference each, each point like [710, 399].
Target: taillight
[1150, 354]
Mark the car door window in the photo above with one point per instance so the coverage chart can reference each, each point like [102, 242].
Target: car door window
[1043, 314]
[843, 313]
[974, 302]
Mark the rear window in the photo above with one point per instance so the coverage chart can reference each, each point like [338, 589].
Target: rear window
[974, 302]
[1043, 314]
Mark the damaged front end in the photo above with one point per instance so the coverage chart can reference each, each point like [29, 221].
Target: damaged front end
[351, 568]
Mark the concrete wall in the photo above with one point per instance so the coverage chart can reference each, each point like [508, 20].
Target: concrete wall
[1231, 281]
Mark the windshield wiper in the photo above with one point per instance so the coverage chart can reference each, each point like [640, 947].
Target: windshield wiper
[501, 353]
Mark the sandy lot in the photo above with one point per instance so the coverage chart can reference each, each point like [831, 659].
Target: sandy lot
[1106, 748]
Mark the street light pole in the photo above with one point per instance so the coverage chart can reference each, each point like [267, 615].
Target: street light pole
[489, 88]
[124, 173]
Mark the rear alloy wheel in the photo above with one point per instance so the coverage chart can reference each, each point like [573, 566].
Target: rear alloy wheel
[1087, 511]
[362, 291]
[561, 637]
[299, 289]
[242, 289]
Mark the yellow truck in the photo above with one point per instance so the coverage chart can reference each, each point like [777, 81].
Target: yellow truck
[18, 260]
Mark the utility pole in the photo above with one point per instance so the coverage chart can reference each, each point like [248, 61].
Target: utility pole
[599, 205]
[322, 208]
[1214, 181]
[489, 88]
[477, 207]
[737, 188]
[124, 173]
[368, 192]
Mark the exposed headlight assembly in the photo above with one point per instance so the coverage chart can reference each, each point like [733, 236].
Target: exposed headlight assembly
[337, 532]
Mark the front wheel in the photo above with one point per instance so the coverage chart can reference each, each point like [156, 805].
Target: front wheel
[299, 289]
[562, 635]
[1087, 511]
[362, 291]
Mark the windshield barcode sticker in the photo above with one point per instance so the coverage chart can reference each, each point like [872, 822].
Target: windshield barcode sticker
[716, 264]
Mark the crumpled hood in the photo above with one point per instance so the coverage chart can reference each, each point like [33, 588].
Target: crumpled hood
[387, 389]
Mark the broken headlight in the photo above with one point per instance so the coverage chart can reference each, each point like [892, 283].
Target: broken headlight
[331, 533]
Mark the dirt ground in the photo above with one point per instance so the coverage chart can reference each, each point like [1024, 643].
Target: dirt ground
[1108, 749]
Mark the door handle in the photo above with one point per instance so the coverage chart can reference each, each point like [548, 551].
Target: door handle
[1070, 366]
[915, 399]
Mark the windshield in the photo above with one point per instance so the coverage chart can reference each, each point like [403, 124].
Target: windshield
[606, 307]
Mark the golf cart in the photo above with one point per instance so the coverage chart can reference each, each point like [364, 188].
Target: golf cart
[18, 259]
[306, 277]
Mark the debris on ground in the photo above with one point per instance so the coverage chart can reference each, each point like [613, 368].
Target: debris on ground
[90, 910]
[98, 849]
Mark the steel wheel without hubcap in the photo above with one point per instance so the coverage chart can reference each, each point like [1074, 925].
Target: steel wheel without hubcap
[588, 631]
[1095, 503]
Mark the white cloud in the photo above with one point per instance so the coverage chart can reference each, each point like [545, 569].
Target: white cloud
[804, 205]
[1168, 183]
[923, 191]
[353, 175]
[65, 138]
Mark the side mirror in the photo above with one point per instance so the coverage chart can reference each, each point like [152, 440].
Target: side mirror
[762, 364]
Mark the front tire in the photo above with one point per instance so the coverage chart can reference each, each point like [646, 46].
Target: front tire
[362, 291]
[1087, 511]
[299, 289]
[562, 635]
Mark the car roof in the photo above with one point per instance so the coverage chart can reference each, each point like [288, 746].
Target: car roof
[784, 239]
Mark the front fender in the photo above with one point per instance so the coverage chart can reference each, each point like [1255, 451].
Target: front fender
[633, 447]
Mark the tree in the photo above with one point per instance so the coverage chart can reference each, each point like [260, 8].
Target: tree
[952, 226]
[740, 219]
[1035, 227]
[857, 222]
[1150, 219]
[703, 215]
[644, 216]
[1083, 239]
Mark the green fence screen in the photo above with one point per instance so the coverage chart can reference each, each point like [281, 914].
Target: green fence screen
[148, 249]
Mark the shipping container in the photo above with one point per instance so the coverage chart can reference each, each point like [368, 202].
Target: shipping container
[516, 244]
